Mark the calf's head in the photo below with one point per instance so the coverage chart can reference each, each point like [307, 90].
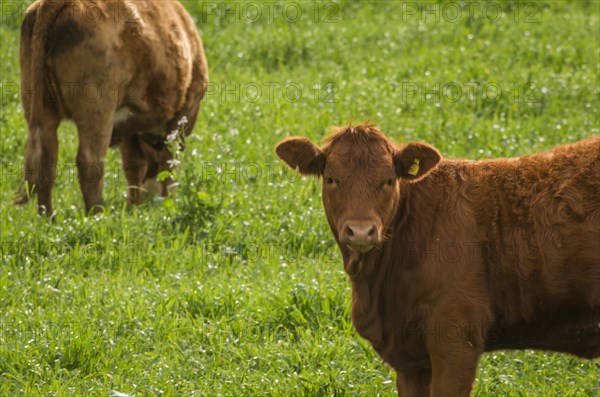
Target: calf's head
[360, 169]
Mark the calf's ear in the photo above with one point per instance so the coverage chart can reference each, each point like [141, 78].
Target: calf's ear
[300, 153]
[414, 161]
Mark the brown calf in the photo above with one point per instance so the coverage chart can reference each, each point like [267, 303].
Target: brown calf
[449, 259]
[126, 72]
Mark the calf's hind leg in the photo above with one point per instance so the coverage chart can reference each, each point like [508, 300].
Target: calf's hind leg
[94, 139]
[41, 157]
[159, 160]
[135, 167]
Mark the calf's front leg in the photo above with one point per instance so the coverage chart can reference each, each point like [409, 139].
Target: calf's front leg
[453, 368]
[413, 384]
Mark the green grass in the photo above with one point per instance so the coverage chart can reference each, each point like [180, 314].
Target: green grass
[235, 287]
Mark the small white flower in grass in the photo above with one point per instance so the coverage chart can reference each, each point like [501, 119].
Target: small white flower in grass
[119, 394]
[182, 121]
[172, 136]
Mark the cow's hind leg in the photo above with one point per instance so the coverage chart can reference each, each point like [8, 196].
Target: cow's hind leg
[135, 167]
[94, 139]
[41, 156]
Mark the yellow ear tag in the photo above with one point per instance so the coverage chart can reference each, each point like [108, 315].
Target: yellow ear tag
[414, 168]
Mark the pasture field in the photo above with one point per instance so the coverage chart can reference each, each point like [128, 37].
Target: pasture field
[235, 286]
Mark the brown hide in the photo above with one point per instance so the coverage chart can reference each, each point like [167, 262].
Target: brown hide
[465, 256]
[125, 72]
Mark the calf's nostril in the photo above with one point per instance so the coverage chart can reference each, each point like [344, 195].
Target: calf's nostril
[360, 233]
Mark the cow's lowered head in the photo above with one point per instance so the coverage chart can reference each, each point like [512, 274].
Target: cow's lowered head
[360, 170]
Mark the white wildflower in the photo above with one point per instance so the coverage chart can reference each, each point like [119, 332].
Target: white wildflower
[183, 121]
[173, 135]
[173, 162]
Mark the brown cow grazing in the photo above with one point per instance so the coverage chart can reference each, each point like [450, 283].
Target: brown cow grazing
[449, 258]
[126, 72]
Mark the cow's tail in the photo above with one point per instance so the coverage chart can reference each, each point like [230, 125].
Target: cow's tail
[35, 90]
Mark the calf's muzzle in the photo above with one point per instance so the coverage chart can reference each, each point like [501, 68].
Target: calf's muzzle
[360, 236]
